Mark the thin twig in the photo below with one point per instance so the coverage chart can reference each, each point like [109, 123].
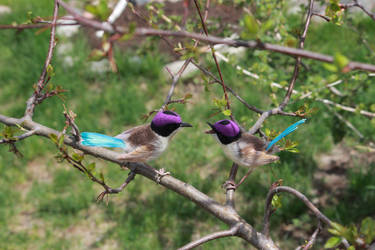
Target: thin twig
[33, 26]
[176, 77]
[347, 123]
[19, 138]
[217, 235]
[109, 190]
[31, 102]
[312, 239]
[299, 195]
[214, 56]
[174, 82]
[357, 4]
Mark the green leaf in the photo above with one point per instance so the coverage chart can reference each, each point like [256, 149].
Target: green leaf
[276, 201]
[50, 70]
[330, 67]
[227, 112]
[53, 138]
[251, 26]
[368, 229]
[128, 35]
[77, 157]
[61, 140]
[188, 96]
[91, 167]
[332, 242]
[341, 61]
[101, 176]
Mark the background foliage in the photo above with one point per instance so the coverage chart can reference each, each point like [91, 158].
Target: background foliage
[46, 205]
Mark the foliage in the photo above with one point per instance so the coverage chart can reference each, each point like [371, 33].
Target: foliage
[57, 201]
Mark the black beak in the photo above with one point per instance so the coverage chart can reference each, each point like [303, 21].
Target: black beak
[185, 124]
[212, 131]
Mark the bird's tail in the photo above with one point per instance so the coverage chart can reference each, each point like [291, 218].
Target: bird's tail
[286, 132]
[99, 140]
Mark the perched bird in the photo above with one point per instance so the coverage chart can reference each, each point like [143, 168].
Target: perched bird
[246, 149]
[142, 143]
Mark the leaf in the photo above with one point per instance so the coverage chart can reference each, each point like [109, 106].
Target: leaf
[188, 96]
[91, 167]
[128, 35]
[341, 61]
[332, 242]
[251, 24]
[101, 176]
[368, 229]
[227, 112]
[61, 140]
[53, 138]
[330, 67]
[77, 157]
[50, 70]
[276, 201]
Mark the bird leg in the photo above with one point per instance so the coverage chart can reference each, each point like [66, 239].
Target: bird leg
[160, 174]
[245, 176]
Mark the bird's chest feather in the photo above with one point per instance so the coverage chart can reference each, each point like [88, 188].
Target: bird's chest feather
[233, 151]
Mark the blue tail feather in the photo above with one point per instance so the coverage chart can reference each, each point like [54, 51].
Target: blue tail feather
[286, 132]
[100, 140]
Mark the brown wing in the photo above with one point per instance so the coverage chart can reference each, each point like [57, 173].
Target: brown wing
[138, 136]
[257, 143]
[253, 157]
[140, 154]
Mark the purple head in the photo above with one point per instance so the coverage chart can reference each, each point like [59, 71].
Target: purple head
[165, 122]
[163, 118]
[226, 130]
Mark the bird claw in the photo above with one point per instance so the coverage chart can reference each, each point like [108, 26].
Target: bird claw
[229, 185]
[160, 174]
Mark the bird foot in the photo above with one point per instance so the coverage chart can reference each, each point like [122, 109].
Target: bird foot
[229, 185]
[160, 174]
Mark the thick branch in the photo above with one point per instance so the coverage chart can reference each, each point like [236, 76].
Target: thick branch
[228, 216]
[217, 235]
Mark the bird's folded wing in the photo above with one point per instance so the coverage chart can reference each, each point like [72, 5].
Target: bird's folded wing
[140, 154]
[256, 158]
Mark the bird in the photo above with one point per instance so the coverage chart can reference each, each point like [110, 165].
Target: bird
[245, 149]
[142, 143]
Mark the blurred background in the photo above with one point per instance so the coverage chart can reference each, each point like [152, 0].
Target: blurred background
[47, 205]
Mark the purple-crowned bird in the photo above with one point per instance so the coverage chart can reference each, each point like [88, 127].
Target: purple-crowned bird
[246, 149]
[142, 143]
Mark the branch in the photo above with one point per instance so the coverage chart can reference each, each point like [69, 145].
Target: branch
[347, 123]
[357, 4]
[32, 101]
[352, 65]
[214, 56]
[217, 235]
[183, 67]
[33, 26]
[312, 239]
[109, 190]
[228, 216]
[298, 59]
[18, 138]
[308, 203]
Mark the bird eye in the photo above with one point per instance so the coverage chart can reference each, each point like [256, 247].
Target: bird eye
[225, 122]
[167, 112]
